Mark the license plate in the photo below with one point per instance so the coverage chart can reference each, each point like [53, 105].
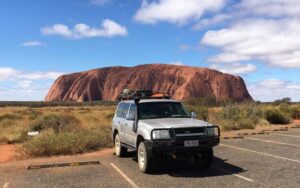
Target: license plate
[191, 143]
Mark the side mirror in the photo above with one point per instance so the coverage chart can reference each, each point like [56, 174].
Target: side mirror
[130, 117]
[193, 114]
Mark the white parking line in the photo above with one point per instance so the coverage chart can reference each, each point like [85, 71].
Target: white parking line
[237, 175]
[271, 141]
[6, 185]
[261, 153]
[289, 135]
[124, 176]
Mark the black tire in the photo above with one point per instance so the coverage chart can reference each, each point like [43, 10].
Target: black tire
[120, 150]
[148, 158]
[204, 159]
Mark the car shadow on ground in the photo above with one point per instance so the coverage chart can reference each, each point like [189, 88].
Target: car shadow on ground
[186, 167]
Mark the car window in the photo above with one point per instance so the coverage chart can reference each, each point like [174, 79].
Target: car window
[125, 110]
[120, 110]
[132, 109]
[162, 110]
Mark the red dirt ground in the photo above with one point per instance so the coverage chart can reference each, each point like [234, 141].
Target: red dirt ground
[7, 153]
[296, 122]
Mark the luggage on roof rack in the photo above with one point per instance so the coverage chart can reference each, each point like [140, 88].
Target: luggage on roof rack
[141, 94]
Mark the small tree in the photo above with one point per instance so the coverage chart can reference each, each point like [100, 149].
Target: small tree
[286, 100]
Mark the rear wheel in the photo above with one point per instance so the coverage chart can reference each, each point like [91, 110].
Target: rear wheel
[145, 158]
[119, 149]
[204, 159]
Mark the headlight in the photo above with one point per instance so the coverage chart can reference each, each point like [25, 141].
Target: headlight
[161, 134]
[212, 131]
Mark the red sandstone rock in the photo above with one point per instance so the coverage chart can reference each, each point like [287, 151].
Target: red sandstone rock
[181, 82]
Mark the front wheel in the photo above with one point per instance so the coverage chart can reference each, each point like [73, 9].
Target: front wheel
[204, 159]
[119, 149]
[145, 158]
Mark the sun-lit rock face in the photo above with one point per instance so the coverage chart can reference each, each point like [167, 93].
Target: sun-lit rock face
[181, 82]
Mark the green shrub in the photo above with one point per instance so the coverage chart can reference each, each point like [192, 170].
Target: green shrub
[231, 112]
[63, 134]
[11, 132]
[58, 123]
[9, 117]
[34, 114]
[236, 117]
[7, 123]
[285, 100]
[295, 112]
[49, 143]
[276, 116]
[237, 125]
[202, 111]
[240, 112]
[289, 110]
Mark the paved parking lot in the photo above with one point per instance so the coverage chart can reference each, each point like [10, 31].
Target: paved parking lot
[256, 161]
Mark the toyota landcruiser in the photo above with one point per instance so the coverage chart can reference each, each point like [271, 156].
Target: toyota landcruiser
[154, 125]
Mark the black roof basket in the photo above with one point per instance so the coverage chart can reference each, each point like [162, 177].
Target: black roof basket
[141, 94]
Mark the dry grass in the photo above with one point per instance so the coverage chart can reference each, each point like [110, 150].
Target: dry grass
[87, 128]
[94, 124]
[13, 125]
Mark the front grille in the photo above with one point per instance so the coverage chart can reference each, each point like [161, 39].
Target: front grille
[193, 132]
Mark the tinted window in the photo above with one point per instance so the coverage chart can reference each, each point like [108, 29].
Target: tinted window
[125, 109]
[132, 109]
[120, 109]
[162, 110]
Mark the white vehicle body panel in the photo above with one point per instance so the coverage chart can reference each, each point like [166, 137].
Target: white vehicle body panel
[145, 126]
[174, 122]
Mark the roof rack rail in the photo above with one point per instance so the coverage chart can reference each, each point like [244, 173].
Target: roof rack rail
[141, 94]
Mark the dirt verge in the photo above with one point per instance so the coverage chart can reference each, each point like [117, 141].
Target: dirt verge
[8, 153]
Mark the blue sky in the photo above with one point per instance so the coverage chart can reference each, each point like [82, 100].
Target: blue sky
[40, 40]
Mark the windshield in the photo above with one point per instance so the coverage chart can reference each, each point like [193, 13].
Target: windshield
[154, 110]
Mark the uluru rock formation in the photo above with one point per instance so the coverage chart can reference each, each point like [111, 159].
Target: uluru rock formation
[181, 82]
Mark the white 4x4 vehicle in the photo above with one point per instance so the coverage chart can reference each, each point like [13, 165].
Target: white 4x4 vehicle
[154, 127]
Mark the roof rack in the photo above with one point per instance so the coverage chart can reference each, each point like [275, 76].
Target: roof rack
[141, 94]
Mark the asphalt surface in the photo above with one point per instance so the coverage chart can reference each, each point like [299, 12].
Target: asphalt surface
[257, 161]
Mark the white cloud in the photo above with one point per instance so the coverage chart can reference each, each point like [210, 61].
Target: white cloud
[6, 73]
[275, 42]
[41, 75]
[272, 83]
[272, 89]
[175, 11]
[234, 68]
[20, 85]
[57, 29]
[98, 2]
[176, 63]
[109, 28]
[271, 8]
[32, 43]
[203, 23]
[10, 74]
[24, 84]
[17, 93]
[228, 57]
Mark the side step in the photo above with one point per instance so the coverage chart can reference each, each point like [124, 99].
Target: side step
[128, 146]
